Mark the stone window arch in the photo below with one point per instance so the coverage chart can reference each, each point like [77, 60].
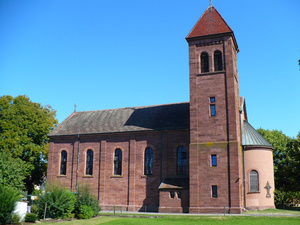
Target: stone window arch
[89, 162]
[148, 161]
[218, 63]
[181, 161]
[204, 62]
[118, 162]
[254, 187]
[63, 162]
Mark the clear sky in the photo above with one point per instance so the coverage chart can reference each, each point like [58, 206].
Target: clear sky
[103, 54]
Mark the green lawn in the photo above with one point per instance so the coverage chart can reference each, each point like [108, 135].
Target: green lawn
[170, 220]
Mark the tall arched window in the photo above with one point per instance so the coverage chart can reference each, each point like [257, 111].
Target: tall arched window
[89, 162]
[254, 181]
[148, 169]
[204, 62]
[118, 162]
[63, 163]
[218, 60]
[181, 161]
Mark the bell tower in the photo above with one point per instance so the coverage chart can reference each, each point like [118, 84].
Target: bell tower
[216, 169]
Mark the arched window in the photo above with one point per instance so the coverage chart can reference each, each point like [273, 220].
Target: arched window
[181, 161]
[254, 181]
[204, 62]
[63, 163]
[218, 60]
[148, 170]
[89, 162]
[118, 162]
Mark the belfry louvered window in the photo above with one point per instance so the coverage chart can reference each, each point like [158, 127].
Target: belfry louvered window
[148, 169]
[63, 163]
[204, 62]
[181, 161]
[254, 181]
[118, 162]
[218, 60]
[89, 162]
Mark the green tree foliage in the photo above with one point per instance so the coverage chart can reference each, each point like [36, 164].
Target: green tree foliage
[8, 199]
[286, 158]
[13, 171]
[24, 126]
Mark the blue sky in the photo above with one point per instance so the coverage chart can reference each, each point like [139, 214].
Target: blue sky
[114, 53]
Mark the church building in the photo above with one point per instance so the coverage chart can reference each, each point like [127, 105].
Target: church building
[192, 157]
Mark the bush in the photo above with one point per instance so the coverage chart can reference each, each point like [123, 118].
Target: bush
[85, 212]
[15, 219]
[8, 199]
[31, 217]
[86, 198]
[286, 198]
[34, 209]
[59, 203]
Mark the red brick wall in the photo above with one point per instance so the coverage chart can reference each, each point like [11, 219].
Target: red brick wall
[218, 135]
[132, 190]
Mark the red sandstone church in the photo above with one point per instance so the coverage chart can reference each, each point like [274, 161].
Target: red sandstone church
[196, 157]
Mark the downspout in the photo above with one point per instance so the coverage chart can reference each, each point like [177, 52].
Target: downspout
[227, 124]
[243, 153]
[99, 172]
[77, 163]
[244, 173]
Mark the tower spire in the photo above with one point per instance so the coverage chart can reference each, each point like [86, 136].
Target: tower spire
[210, 5]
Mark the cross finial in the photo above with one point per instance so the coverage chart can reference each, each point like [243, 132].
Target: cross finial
[210, 5]
[75, 107]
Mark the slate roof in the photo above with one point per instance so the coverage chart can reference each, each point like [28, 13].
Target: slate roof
[174, 183]
[250, 137]
[145, 118]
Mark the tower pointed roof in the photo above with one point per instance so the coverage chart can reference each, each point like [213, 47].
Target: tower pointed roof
[211, 22]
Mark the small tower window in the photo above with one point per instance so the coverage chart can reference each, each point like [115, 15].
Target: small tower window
[63, 163]
[218, 60]
[204, 62]
[212, 106]
[89, 162]
[254, 181]
[213, 160]
[118, 162]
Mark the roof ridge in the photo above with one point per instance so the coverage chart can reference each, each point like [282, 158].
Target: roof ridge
[128, 107]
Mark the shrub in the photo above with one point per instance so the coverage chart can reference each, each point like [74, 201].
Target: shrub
[286, 198]
[8, 199]
[31, 217]
[34, 209]
[15, 219]
[86, 198]
[59, 203]
[85, 212]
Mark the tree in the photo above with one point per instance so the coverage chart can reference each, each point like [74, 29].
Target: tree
[286, 158]
[280, 143]
[24, 126]
[13, 171]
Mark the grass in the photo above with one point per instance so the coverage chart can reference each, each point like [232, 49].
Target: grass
[289, 211]
[187, 220]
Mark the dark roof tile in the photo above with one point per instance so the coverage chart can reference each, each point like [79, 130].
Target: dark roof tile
[145, 118]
